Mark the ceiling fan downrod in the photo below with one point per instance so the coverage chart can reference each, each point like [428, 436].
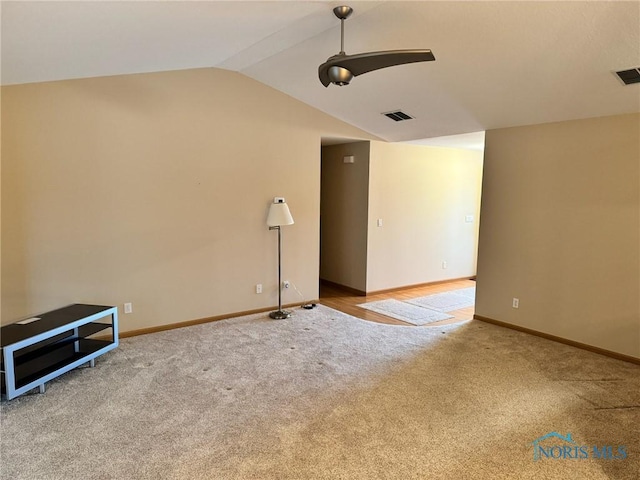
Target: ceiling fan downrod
[342, 13]
[338, 75]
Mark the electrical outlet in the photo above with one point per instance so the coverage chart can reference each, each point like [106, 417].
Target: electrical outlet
[259, 288]
[515, 303]
[286, 284]
[128, 307]
[444, 264]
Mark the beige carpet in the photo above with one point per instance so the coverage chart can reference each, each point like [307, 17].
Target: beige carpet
[326, 396]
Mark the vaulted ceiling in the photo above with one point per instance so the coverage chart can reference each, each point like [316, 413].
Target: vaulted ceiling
[498, 64]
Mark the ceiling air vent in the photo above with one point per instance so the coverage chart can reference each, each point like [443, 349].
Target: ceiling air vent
[398, 116]
[629, 76]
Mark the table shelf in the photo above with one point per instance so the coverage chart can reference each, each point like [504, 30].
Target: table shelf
[87, 347]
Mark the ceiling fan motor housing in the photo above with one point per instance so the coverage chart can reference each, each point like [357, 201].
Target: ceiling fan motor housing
[340, 76]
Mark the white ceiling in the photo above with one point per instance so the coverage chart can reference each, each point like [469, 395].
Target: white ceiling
[498, 64]
[469, 141]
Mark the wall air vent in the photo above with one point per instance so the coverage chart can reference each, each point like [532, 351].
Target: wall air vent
[629, 76]
[398, 116]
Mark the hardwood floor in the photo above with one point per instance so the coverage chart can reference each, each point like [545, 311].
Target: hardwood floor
[348, 302]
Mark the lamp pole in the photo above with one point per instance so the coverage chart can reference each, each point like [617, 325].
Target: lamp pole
[279, 314]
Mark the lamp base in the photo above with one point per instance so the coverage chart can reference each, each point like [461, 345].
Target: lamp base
[280, 314]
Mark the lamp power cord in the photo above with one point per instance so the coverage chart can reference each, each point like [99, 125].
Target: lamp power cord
[305, 305]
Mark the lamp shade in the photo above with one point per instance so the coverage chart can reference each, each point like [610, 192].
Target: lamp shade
[279, 214]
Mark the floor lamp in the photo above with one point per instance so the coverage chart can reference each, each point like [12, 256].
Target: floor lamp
[279, 215]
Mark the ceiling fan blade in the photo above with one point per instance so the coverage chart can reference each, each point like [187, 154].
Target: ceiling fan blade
[367, 62]
[361, 63]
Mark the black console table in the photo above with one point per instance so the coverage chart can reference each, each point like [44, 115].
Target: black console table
[41, 348]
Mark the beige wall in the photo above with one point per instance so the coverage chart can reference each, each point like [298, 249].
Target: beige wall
[560, 230]
[0, 200]
[422, 194]
[344, 213]
[153, 189]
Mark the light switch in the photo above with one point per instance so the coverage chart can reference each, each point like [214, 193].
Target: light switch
[379, 222]
[468, 218]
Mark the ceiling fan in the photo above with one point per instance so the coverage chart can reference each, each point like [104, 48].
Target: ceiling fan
[341, 68]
